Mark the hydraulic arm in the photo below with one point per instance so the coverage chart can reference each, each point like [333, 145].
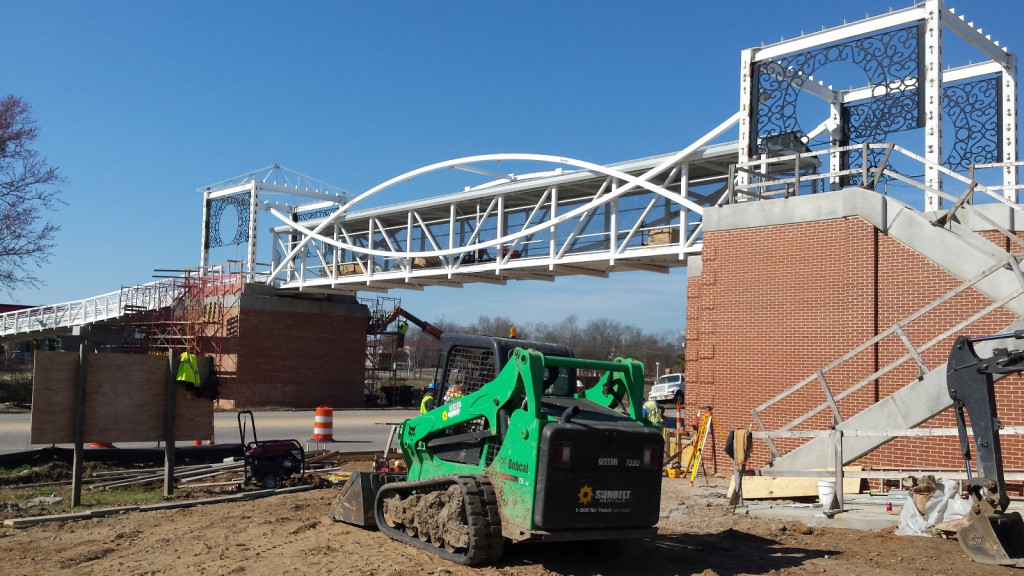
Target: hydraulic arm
[991, 535]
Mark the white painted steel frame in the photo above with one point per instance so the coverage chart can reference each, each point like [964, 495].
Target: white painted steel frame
[936, 18]
[586, 221]
[104, 307]
[573, 230]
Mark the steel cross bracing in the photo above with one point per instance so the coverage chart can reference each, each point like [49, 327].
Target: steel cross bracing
[591, 221]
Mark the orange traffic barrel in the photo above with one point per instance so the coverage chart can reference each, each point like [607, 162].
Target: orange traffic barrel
[323, 423]
[208, 442]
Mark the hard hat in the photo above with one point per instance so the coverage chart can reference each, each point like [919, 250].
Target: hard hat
[431, 386]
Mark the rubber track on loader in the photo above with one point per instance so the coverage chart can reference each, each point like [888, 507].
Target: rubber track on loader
[480, 506]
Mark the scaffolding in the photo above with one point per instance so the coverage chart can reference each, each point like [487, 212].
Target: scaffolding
[186, 312]
[380, 384]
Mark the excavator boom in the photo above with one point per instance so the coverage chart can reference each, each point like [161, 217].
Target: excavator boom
[991, 536]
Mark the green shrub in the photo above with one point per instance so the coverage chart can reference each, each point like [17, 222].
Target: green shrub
[16, 386]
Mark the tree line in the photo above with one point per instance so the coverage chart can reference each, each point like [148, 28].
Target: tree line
[599, 339]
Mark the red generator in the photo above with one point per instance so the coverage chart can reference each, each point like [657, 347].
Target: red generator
[270, 462]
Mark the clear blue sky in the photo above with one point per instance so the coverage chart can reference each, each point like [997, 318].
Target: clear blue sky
[140, 103]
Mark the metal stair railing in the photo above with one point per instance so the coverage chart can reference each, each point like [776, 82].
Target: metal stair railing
[913, 354]
[764, 183]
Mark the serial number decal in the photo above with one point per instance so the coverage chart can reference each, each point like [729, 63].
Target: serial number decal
[607, 461]
[454, 408]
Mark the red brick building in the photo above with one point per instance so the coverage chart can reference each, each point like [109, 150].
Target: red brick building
[788, 286]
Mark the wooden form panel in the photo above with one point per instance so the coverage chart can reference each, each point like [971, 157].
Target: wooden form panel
[124, 401]
[53, 397]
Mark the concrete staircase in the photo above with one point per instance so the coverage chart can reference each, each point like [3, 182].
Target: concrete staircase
[955, 248]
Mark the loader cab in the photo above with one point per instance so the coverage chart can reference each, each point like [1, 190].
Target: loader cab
[472, 360]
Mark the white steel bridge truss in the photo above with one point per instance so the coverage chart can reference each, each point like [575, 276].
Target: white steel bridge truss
[639, 215]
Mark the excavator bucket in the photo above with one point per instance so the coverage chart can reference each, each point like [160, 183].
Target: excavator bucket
[354, 504]
[994, 539]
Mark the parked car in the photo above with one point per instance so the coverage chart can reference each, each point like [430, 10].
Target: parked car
[669, 388]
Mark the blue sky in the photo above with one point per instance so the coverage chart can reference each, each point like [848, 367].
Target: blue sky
[140, 103]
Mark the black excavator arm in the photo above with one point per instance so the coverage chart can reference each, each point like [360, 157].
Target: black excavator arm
[991, 535]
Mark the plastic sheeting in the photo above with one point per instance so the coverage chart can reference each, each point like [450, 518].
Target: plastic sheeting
[945, 505]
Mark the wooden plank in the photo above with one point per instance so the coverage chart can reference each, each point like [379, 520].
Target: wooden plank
[101, 512]
[79, 458]
[53, 397]
[764, 487]
[170, 398]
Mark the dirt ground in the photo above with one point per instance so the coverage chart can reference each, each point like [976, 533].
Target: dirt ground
[292, 534]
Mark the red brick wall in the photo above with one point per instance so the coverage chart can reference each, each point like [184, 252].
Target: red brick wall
[274, 357]
[775, 304]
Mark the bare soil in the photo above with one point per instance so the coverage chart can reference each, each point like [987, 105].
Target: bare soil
[292, 534]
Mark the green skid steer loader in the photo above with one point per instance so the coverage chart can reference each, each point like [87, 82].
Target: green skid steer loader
[515, 453]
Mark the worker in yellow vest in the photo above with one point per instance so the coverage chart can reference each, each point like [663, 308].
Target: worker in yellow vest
[403, 327]
[428, 404]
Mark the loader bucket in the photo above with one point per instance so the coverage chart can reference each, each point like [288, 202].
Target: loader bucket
[354, 504]
[994, 539]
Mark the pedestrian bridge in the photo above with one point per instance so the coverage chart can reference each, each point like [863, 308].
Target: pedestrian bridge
[572, 218]
[537, 217]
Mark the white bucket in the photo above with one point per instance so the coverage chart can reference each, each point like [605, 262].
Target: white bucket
[826, 490]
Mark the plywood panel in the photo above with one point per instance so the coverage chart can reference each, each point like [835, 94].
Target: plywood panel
[193, 418]
[125, 399]
[53, 397]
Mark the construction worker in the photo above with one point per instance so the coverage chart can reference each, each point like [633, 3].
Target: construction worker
[403, 327]
[427, 404]
[654, 412]
[454, 393]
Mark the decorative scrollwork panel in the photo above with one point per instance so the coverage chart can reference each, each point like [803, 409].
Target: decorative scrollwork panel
[889, 61]
[972, 108]
[216, 213]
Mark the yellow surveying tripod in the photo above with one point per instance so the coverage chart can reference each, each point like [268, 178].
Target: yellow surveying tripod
[707, 418]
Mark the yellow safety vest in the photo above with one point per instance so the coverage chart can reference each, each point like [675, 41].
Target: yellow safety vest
[423, 404]
[188, 369]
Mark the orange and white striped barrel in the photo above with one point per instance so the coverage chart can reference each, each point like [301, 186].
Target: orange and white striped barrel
[323, 423]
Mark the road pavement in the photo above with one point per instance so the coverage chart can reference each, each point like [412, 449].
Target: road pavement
[353, 430]
[358, 430]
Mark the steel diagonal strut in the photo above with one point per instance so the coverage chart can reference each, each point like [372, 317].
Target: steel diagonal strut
[631, 182]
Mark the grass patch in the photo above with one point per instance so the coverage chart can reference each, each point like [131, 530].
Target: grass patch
[24, 484]
[13, 471]
[129, 496]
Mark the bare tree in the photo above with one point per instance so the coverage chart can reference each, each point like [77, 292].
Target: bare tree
[26, 193]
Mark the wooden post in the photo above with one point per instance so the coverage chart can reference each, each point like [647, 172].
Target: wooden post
[172, 373]
[679, 423]
[79, 454]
